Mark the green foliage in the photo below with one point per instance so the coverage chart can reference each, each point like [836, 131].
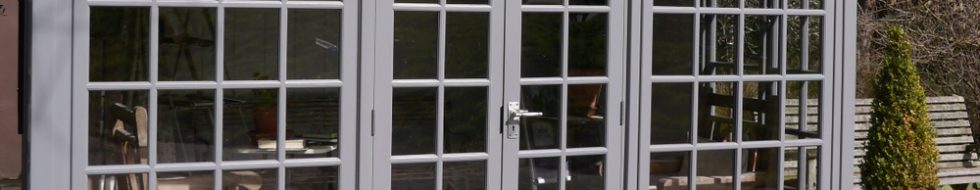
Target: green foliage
[900, 149]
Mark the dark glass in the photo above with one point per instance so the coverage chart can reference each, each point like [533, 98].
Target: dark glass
[796, 93]
[320, 178]
[671, 110]
[413, 176]
[119, 43]
[717, 168]
[669, 170]
[586, 172]
[416, 45]
[466, 1]
[250, 116]
[816, 4]
[763, 4]
[251, 44]
[804, 55]
[797, 178]
[716, 111]
[586, 120]
[760, 111]
[542, 2]
[677, 3]
[812, 4]
[762, 45]
[313, 115]
[416, 1]
[118, 127]
[718, 56]
[413, 120]
[314, 45]
[588, 39]
[588, 2]
[465, 119]
[538, 174]
[464, 175]
[197, 180]
[258, 179]
[673, 44]
[541, 132]
[720, 3]
[185, 123]
[467, 44]
[133, 181]
[187, 49]
[762, 167]
[541, 45]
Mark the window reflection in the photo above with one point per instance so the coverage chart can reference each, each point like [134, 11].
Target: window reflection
[719, 3]
[585, 172]
[198, 180]
[669, 170]
[671, 115]
[760, 168]
[763, 3]
[716, 111]
[187, 50]
[804, 43]
[673, 44]
[118, 127]
[760, 111]
[801, 169]
[541, 44]
[803, 109]
[465, 119]
[416, 44]
[586, 119]
[467, 45]
[186, 125]
[464, 175]
[319, 178]
[251, 44]
[538, 174]
[587, 41]
[716, 169]
[719, 44]
[119, 43]
[314, 44]
[134, 181]
[257, 179]
[414, 120]
[313, 119]
[761, 46]
[541, 132]
[413, 176]
[250, 124]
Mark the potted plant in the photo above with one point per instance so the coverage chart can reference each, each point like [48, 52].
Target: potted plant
[264, 111]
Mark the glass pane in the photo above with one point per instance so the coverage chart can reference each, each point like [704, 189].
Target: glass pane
[314, 47]
[134, 181]
[587, 2]
[186, 126]
[762, 45]
[259, 179]
[586, 172]
[466, 1]
[716, 111]
[313, 116]
[679, 3]
[760, 168]
[187, 50]
[801, 174]
[322, 178]
[673, 44]
[542, 2]
[763, 4]
[796, 93]
[804, 43]
[538, 173]
[796, 4]
[541, 132]
[719, 3]
[671, 113]
[118, 127]
[119, 43]
[669, 170]
[719, 44]
[464, 175]
[586, 118]
[416, 38]
[198, 180]
[541, 45]
[813, 4]
[416, 1]
[587, 41]
[760, 111]
[816, 4]
[467, 44]
[250, 124]
[251, 44]
[413, 176]
[465, 120]
[715, 169]
[414, 120]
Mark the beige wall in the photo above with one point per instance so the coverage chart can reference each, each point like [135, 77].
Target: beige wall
[9, 139]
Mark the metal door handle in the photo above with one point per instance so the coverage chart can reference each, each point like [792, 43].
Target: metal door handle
[515, 113]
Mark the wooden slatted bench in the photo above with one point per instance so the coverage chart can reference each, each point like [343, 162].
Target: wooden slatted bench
[958, 163]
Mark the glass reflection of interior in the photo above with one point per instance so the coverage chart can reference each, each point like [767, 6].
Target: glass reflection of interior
[467, 45]
[312, 122]
[541, 44]
[585, 172]
[804, 43]
[810, 4]
[538, 174]
[541, 132]
[133, 181]
[671, 115]
[468, 175]
[587, 40]
[251, 44]
[799, 174]
[421, 176]
[764, 4]
[669, 170]
[716, 111]
[119, 39]
[673, 44]
[715, 170]
[314, 178]
[255, 179]
[720, 3]
[415, 48]
[197, 180]
[414, 120]
[762, 45]
[118, 127]
[718, 44]
[250, 124]
[187, 49]
[186, 126]
[800, 95]
[586, 119]
[465, 119]
[760, 111]
[314, 46]
[760, 168]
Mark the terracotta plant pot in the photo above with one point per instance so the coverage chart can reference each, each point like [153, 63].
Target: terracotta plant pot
[265, 122]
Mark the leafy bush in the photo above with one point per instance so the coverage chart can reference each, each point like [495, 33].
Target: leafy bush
[900, 149]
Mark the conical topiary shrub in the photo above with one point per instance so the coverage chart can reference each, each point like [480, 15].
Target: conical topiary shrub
[901, 153]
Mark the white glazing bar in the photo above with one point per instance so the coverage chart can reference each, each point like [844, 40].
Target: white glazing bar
[251, 164]
[252, 4]
[188, 3]
[561, 8]
[569, 80]
[539, 153]
[671, 147]
[465, 156]
[174, 167]
[114, 3]
[116, 169]
[423, 158]
[313, 162]
[219, 94]
[586, 151]
[119, 86]
[315, 4]
[445, 82]
[251, 84]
